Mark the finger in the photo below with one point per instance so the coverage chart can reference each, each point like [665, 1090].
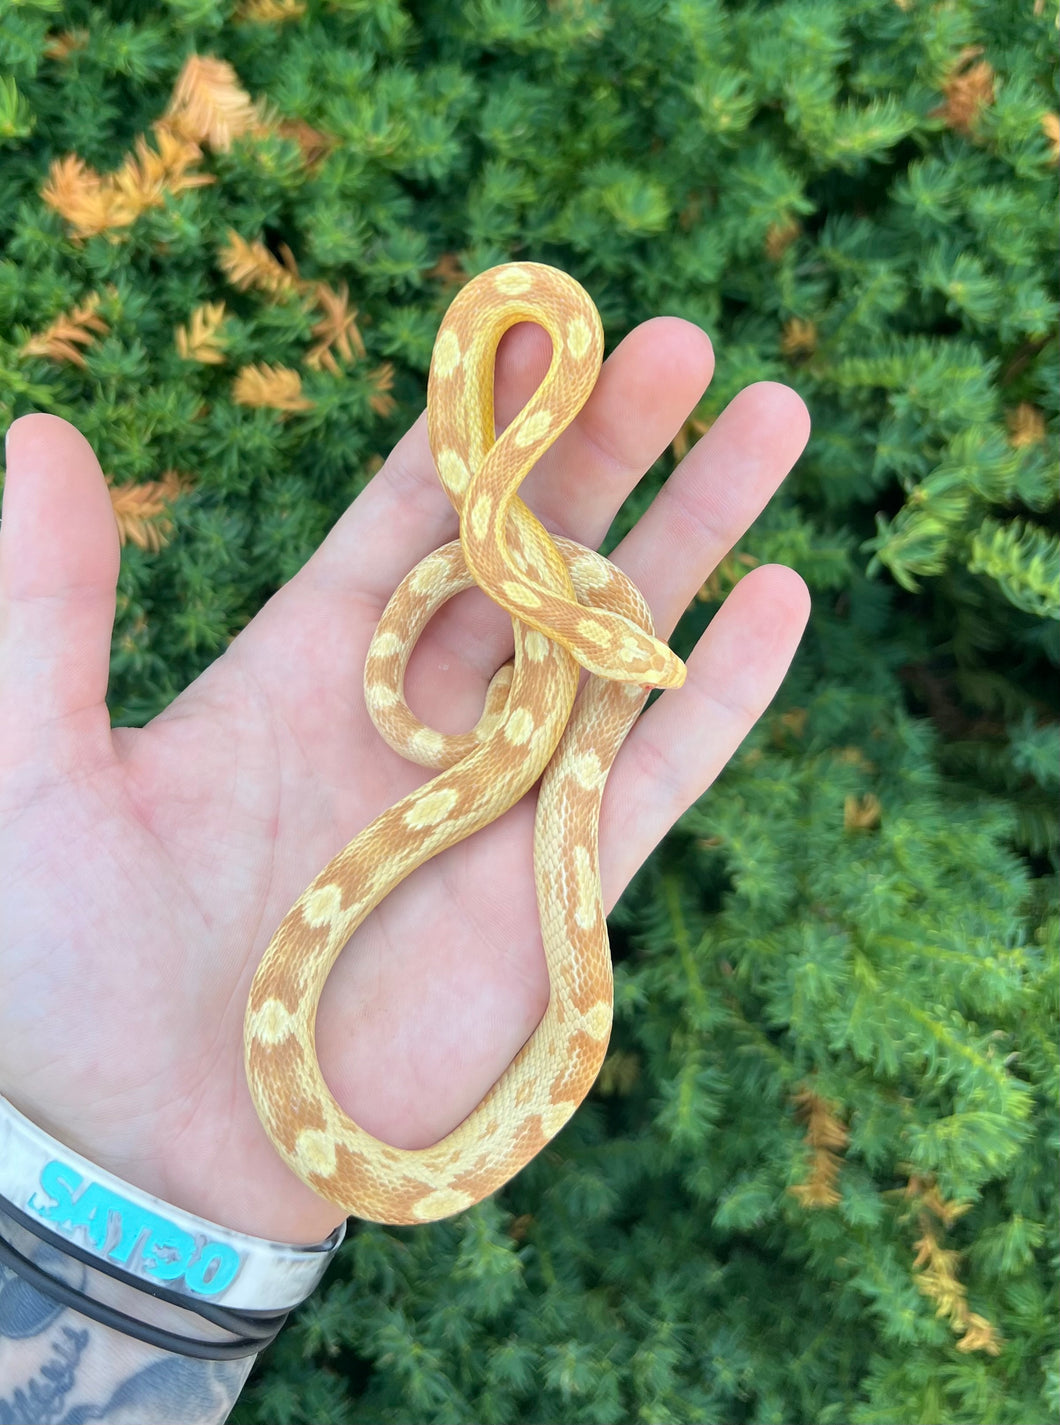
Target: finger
[713, 497]
[58, 576]
[684, 740]
[645, 391]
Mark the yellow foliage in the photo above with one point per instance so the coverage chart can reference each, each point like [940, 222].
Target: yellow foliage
[936, 1267]
[88, 202]
[142, 511]
[382, 381]
[826, 1138]
[1051, 129]
[270, 11]
[968, 88]
[95, 203]
[61, 339]
[449, 271]
[210, 106]
[201, 339]
[62, 45]
[861, 813]
[337, 328]
[314, 144]
[780, 237]
[277, 387]
[251, 264]
[619, 1073]
[799, 337]
[1026, 425]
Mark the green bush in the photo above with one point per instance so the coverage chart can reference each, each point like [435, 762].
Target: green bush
[817, 1179]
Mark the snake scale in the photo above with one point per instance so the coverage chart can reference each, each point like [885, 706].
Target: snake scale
[570, 609]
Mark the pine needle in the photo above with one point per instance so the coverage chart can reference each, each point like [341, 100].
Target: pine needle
[314, 144]
[799, 337]
[826, 1138]
[780, 237]
[201, 340]
[1026, 425]
[936, 1269]
[336, 329]
[95, 203]
[78, 194]
[277, 387]
[61, 46]
[382, 380]
[70, 330]
[251, 265]
[210, 106]
[166, 167]
[449, 270]
[1023, 559]
[861, 813]
[969, 88]
[142, 510]
[1051, 129]
[270, 11]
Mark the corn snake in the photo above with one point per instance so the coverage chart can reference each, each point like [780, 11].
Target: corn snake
[570, 609]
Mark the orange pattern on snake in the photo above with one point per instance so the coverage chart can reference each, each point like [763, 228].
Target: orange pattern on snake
[569, 607]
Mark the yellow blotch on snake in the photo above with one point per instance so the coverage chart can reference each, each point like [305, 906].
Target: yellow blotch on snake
[579, 338]
[447, 354]
[512, 280]
[317, 1151]
[534, 429]
[520, 726]
[535, 645]
[521, 594]
[453, 471]
[431, 808]
[322, 905]
[273, 1022]
[587, 899]
[479, 517]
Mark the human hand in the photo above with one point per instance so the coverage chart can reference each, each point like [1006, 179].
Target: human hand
[143, 871]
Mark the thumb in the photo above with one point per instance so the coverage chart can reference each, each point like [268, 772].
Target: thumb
[58, 576]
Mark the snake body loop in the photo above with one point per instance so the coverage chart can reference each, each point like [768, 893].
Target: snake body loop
[569, 607]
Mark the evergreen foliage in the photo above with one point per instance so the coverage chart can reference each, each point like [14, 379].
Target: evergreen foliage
[817, 1179]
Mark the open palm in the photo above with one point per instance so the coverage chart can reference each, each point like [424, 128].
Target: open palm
[142, 872]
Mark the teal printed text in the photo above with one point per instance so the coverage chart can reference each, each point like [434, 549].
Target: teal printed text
[133, 1237]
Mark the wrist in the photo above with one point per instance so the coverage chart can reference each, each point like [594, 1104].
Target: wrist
[230, 1175]
[107, 1148]
[121, 1234]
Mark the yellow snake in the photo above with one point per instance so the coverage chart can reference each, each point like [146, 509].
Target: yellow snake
[569, 607]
